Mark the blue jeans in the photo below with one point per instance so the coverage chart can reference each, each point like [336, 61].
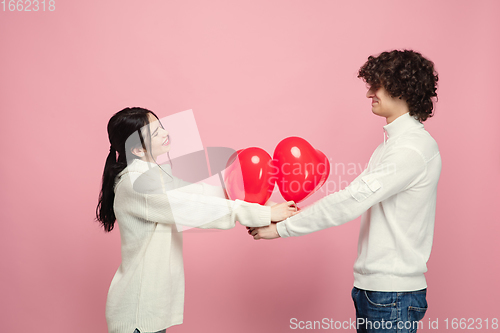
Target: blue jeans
[389, 312]
[162, 331]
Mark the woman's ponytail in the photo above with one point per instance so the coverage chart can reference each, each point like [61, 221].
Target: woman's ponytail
[105, 212]
[120, 129]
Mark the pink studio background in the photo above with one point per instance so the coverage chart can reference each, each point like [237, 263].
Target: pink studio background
[253, 72]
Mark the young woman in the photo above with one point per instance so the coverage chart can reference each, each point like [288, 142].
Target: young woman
[147, 291]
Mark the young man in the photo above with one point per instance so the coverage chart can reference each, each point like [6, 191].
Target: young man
[396, 196]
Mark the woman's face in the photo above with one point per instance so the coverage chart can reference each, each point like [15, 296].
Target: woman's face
[160, 141]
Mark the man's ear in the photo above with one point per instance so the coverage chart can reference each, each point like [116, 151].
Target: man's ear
[138, 152]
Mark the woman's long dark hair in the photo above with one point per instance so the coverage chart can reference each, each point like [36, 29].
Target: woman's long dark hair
[122, 130]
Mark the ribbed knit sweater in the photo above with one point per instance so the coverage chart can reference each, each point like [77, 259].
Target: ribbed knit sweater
[147, 291]
[396, 196]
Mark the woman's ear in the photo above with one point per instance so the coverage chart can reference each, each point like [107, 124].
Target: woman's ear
[138, 152]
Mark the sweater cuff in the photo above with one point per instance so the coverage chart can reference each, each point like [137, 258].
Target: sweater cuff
[259, 216]
[265, 215]
[281, 228]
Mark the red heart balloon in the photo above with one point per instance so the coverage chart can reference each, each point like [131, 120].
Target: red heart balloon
[300, 170]
[248, 175]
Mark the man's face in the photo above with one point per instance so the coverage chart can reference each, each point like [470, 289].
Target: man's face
[385, 105]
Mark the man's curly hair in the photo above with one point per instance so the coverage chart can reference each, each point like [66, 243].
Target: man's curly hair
[406, 75]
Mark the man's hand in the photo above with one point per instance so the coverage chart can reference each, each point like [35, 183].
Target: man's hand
[267, 232]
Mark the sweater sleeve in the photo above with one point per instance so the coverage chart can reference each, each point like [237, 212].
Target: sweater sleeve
[399, 169]
[201, 206]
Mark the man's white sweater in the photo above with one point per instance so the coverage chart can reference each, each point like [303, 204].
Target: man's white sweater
[396, 196]
[147, 291]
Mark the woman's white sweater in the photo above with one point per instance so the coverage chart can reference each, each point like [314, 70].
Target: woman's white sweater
[147, 291]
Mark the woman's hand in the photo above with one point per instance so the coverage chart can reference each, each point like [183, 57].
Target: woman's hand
[270, 203]
[279, 212]
[283, 210]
